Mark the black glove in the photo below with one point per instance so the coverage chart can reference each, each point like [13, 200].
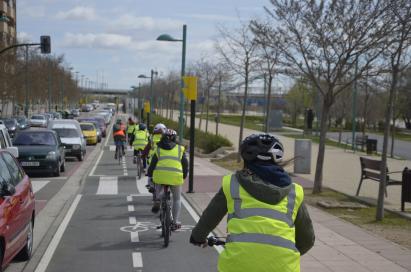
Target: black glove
[196, 243]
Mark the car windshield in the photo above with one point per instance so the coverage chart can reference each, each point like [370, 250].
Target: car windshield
[35, 138]
[38, 117]
[21, 120]
[9, 122]
[87, 127]
[66, 132]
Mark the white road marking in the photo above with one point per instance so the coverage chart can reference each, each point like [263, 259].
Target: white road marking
[141, 186]
[112, 148]
[107, 186]
[137, 260]
[45, 260]
[38, 184]
[132, 220]
[131, 208]
[134, 237]
[196, 218]
[97, 162]
[129, 198]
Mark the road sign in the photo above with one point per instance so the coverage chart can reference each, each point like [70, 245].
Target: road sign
[190, 90]
[147, 106]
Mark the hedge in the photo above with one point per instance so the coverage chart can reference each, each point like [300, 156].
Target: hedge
[206, 141]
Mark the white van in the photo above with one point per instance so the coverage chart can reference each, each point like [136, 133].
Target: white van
[5, 142]
[71, 136]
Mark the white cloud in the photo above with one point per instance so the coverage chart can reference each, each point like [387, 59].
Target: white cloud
[102, 40]
[130, 22]
[27, 10]
[78, 13]
[24, 36]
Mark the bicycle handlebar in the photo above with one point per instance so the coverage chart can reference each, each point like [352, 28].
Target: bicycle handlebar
[214, 241]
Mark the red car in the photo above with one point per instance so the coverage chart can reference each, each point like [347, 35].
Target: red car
[17, 211]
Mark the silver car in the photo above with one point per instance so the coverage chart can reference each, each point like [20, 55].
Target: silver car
[38, 120]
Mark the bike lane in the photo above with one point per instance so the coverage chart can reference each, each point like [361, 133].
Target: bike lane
[112, 228]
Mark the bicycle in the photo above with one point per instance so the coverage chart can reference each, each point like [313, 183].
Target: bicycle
[166, 215]
[139, 162]
[119, 151]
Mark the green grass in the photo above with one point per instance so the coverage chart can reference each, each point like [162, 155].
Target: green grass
[251, 122]
[316, 139]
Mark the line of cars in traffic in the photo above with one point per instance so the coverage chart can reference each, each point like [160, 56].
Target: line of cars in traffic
[42, 151]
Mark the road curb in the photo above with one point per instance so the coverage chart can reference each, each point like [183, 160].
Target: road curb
[50, 218]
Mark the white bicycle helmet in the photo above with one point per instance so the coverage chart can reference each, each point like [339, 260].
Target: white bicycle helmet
[264, 147]
[159, 128]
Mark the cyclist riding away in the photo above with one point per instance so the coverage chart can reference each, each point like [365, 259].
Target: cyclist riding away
[169, 166]
[131, 126]
[119, 136]
[268, 224]
[140, 140]
[150, 148]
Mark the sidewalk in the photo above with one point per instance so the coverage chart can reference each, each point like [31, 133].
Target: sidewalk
[339, 246]
[341, 170]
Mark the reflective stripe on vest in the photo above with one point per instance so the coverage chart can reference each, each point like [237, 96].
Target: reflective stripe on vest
[270, 213]
[169, 169]
[261, 239]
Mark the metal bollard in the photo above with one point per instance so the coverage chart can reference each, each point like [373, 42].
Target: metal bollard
[302, 155]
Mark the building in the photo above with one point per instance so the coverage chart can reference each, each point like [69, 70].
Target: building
[8, 36]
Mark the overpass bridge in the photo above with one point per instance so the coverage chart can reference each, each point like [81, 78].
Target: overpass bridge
[106, 92]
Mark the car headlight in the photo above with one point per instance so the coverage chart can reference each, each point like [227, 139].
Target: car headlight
[51, 155]
[12, 128]
[76, 146]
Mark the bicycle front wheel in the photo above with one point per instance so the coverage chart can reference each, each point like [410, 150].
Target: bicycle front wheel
[167, 225]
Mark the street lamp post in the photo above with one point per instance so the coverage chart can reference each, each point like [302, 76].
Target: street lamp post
[168, 38]
[153, 73]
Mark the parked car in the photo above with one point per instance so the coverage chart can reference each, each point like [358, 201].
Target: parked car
[75, 112]
[89, 132]
[5, 142]
[22, 122]
[12, 126]
[17, 211]
[38, 120]
[41, 151]
[71, 136]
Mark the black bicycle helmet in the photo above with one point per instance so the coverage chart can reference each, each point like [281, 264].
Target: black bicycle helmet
[142, 126]
[170, 135]
[263, 147]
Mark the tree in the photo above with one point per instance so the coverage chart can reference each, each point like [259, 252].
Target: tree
[299, 97]
[398, 56]
[323, 40]
[238, 50]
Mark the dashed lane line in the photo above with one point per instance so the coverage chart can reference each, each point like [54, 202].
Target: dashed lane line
[137, 260]
[108, 186]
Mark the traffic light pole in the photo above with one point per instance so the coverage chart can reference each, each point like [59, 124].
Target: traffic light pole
[192, 135]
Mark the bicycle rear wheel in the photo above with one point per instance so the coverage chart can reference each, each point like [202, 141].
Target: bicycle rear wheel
[119, 154]
[139, 166]
[167, 224]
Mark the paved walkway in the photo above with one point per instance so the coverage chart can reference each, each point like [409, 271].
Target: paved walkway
[339, 246]
[341, 168]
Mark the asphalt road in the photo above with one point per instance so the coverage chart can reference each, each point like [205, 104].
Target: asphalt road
[402, 149]
[110, 227]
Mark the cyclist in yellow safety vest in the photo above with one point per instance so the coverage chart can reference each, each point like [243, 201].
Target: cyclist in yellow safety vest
[268, 224]
[149, 150]
[169, 166]
[140, 139]
[131, 126]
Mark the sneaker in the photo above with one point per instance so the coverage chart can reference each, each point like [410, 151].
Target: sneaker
[175, 226]
[151, 189]
[156, 207]
[134, 160]
[115, 157]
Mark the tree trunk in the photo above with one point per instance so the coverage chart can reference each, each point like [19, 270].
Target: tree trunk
[318, 181]
[243, 114]
[217, 121]
[392, 137]
[207, 108]
[268, 109]
[388, 114]
[201, 115]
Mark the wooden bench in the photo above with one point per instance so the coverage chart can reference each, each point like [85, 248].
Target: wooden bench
[371, 169]
[359, 141]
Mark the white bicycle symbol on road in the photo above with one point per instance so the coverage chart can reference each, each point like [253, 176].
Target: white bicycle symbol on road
[146, 226]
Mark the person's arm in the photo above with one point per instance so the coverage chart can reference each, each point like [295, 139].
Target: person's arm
[184, 163]
[211, 217]
[153, 164]
[304, 231]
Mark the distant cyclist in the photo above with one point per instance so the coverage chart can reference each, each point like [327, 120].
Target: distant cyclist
[140, 140]
[169, 166]
[131, 126]
[119, 135]
[268, 224]
[150, 148]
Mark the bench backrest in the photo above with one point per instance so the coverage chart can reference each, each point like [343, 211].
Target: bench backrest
[371, 168]
[361, 139]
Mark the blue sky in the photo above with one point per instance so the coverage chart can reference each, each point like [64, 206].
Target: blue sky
[118, 40]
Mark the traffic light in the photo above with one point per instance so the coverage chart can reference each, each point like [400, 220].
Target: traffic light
[45, 44]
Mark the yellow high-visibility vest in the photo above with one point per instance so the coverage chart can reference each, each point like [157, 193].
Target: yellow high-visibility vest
[169, 169]
[131, 128]
[140, 139]
[261, 236]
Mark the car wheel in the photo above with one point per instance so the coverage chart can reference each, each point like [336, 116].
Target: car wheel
[80, 157]
[57, 172]
[63, 166]
[27, 250]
